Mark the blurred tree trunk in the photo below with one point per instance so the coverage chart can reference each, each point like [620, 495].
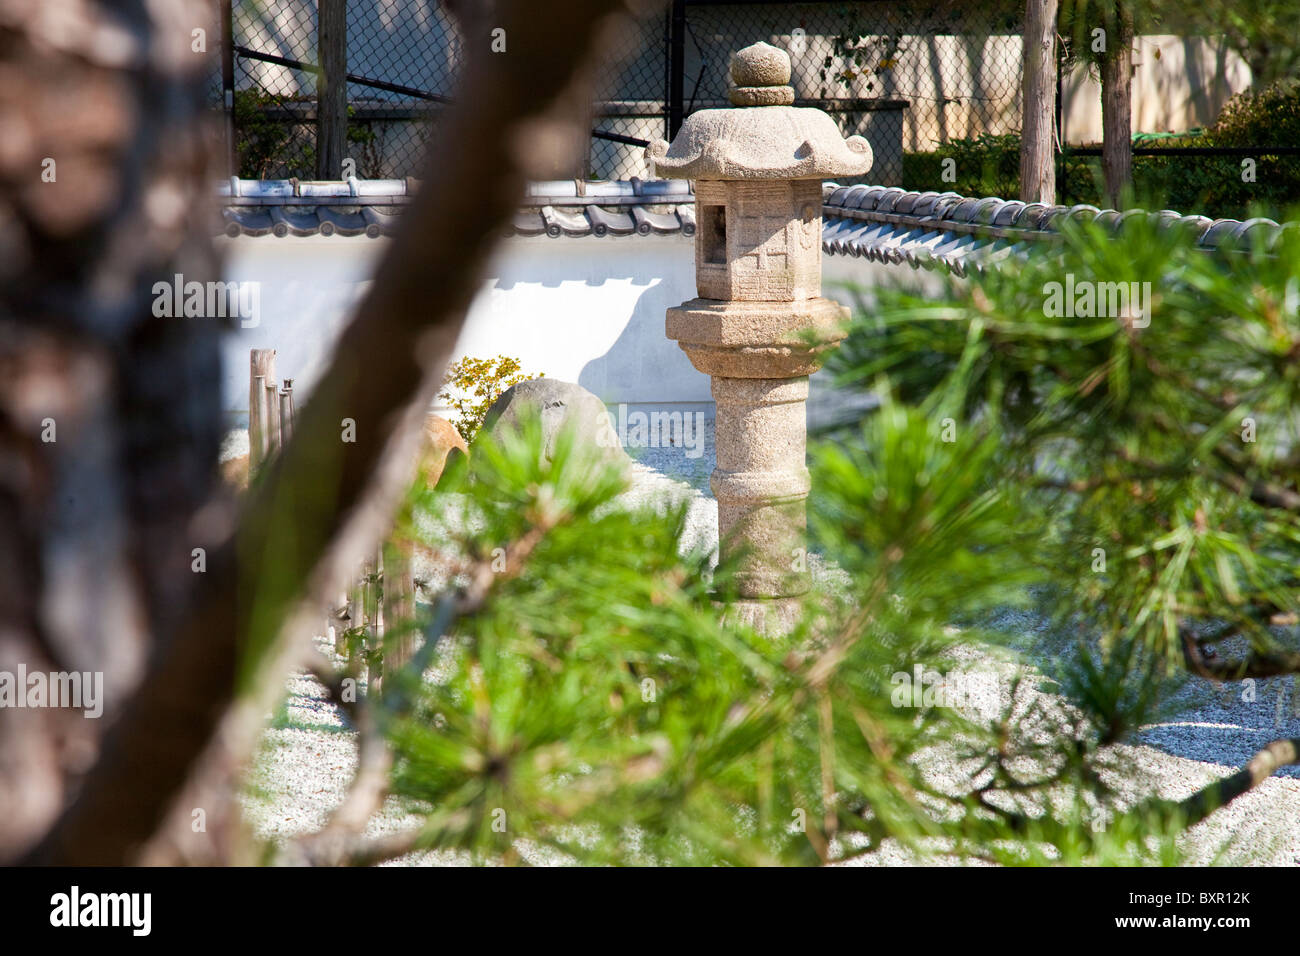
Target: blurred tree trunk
[1117, 106]
[98, 526]
[109, 416]
[1038, 103]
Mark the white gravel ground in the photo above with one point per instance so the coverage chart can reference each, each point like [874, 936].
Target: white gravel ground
[308, 757]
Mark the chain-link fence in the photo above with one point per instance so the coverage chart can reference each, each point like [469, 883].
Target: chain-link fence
[920, 79]
[933, 85]
[908, 76]
[402, 61]
[631, 102]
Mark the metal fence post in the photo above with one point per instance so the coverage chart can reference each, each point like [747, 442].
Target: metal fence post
[228, 83]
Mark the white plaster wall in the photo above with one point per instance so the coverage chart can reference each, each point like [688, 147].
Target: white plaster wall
[589, 311]
[307, 289]
[582, 310]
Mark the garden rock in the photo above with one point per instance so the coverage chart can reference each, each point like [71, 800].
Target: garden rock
[560, 405]
[440, 442]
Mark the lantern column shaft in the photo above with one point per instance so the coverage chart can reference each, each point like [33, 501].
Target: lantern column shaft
[761, 482]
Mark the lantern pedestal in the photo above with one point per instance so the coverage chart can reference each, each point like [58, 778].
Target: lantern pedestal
[759, 356]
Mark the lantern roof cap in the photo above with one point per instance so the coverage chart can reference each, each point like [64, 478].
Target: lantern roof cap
[765, 137]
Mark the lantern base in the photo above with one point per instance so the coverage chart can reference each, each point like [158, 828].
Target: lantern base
[757, 339]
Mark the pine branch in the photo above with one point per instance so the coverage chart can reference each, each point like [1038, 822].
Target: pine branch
[1266, 493]
[1275, 756]
[338, 842]
[1262, 492]
[366, 794]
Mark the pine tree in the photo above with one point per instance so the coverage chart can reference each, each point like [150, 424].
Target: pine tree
[1131, 477]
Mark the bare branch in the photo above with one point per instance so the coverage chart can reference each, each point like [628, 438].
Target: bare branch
[369, 789]
[1278, 754]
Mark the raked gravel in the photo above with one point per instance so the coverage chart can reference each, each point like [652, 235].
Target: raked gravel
[308, 756]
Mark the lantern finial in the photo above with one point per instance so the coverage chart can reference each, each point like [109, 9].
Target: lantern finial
[761, 73]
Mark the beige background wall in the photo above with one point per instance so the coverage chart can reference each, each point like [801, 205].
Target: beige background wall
[1178, 84]
[959, 86]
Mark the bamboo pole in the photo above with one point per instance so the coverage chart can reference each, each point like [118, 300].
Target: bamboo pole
[257, 446]
[261, 365]
[337, 617]
[376, 631]
[286, 411]
[399, 605]
[272, 418]
[356, 613]
[367, 622]
[256, 427]
[379, 592]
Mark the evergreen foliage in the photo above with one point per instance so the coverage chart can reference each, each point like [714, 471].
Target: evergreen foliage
[580, 697]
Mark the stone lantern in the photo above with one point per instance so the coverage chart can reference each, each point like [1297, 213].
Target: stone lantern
[760, 326]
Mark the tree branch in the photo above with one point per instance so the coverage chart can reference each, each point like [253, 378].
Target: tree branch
[340, 842]
[1265, 493]
[1278, 754]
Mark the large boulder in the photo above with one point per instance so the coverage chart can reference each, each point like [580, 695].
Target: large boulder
[559, 404]
[441, 440]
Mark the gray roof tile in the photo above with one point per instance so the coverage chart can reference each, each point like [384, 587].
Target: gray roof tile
[1030, 216]
[355, 207]
[930, 230]
[378, 223]
[528, 222]
[246, 222]
[566, 222]
[966, 234]
[648, 221]
[334, 222]
[1006, 213]
[686, 216]
[605, 222]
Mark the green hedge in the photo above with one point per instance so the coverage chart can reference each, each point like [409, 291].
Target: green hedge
[1210, 185]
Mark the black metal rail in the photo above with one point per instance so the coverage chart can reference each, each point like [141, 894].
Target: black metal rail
[413, 92]
[371, 82]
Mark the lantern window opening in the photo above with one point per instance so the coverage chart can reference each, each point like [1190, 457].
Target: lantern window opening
[713, 232]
